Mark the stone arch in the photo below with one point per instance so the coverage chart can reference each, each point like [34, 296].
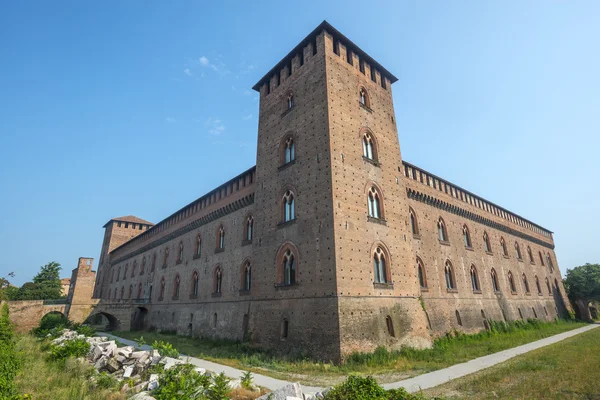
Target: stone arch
[113, 322]
[138, 318]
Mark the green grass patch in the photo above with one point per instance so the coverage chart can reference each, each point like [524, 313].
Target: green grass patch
[569, 369]
[448, 350]
[66, 380]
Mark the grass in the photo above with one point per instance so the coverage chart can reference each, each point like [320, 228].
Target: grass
[569, 369]
[385, 366]
[55, 381]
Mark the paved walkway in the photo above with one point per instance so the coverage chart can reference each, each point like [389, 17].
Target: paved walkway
[412, 385]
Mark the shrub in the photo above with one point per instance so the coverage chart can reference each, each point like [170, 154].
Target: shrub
[85, 330]
[247, 380]
[219, 388]
[69, 348]
[140, 341]
[181, 382]
[357, 388]
[105, 381]
[165, 349]
[10, 363]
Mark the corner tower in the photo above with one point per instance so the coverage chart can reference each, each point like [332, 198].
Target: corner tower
[327, 141]
[117, 232]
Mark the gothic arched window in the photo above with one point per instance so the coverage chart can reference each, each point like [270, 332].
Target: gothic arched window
[475, 279]
[525, 283]
[530, 254]
[449, 273]
[289, 206]
[504, 249]
[218, 280]
[518, 251]
[176, 286]
[249, 228]
[466, 237]
[221, 238]
[195, 284]
[198, 251]
[369, 148]
[380, 266]
[511, 282]
[421, 273]
[290, 101]
[486, 243]
[180, 253]
[247, 276]
[363, 98]
[495, 284]
[289, 268]
[537, 284]
[288, 150]
[442, 232]
[374, 203]
[414, 225]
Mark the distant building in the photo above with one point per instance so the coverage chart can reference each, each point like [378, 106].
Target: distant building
[332, 243]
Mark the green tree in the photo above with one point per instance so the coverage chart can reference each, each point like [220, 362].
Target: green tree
[583, 286]
[45, 286]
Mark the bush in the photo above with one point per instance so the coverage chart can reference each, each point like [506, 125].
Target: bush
[51, 325]
[105, 381]
[85, 330]
[181, 382]
[165, 349]
[247, 380]
[219, 388]
[69, 348]
[10, 363]
[366, 388]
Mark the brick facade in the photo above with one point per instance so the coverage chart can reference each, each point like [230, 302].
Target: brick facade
[332, 304]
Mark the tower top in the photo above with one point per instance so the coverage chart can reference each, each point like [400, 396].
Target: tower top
[338, 37]
[131, 219]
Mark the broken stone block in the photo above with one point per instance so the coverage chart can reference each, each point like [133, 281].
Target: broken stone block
[292, 390]
[100, 364]
[112, 365]
[127, 372]
[125, 351]
[153, 382]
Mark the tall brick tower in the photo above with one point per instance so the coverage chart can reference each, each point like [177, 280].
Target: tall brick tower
[317, 107]
[117, 231]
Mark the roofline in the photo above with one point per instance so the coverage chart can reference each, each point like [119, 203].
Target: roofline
[118, 219]
[477, 196]
[249, 170]
[329, 28]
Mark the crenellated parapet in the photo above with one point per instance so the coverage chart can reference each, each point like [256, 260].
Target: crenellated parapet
[426, 178]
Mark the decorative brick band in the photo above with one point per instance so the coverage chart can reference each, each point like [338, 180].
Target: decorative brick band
[208, 218]
[442, 205]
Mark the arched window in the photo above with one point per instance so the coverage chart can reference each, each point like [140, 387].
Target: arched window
[495, 285]
[246, 276]
[557, 287]
[363, 98]
[220, 238]
[380, 266]
[180, 253]
[153, 267]
[421, 273]
[143, 267]
[458, 319]
[115, 295]
[248, 228]
[218, 280]
[486, 243]
[449, 273]
[285, 326]
[466, 237]
[504, 249]
[537, 284]
[549, 288]
[122, 292]
[176, 285]
[374, 200]
[130, 291]
[288, 203]
[518, 251]
[165, 257]
[139, 292]
[549, 260]
[289, 268]
[195, 284]
[133, 268]
[390, 326]
[475, 279]
[414, 225]
[530, 254]
[442, 232]
[290, 101]
[125, 271]
[541, 258]
[525, 283]
[288, 150]
[112, 275]
[162, 289]
[369, 148]
[198, 251]
[511, 283]
[118, 274]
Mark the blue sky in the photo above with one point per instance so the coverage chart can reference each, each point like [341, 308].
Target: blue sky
[117, 108]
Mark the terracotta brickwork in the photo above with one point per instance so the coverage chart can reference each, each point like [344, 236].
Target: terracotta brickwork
[313, 250]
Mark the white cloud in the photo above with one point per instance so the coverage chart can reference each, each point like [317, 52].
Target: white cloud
[214, 126]
[247, 117]
[204, 61]
[188, 72]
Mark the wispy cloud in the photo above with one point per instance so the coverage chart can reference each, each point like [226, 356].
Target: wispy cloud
[188, 72]
[214, 126]
[247, 117]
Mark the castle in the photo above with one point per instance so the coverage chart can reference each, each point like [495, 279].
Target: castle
[332, 243]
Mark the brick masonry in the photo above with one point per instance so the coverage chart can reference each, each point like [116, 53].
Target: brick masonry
[335, 307]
